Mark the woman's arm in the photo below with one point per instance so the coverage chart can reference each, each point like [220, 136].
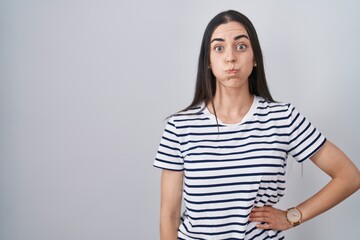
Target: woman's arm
[171, 196]
[345, 181]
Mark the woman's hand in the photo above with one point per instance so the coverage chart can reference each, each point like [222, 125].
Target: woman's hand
[271, 218]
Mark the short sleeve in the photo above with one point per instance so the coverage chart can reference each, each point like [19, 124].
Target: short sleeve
[304, 139]
[169, 155]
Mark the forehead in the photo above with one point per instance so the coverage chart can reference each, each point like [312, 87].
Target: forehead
[229, 29]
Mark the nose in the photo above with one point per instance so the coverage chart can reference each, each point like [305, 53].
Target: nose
[230, 57]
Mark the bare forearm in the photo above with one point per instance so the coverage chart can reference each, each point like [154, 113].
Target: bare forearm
[333, 193]
[171, 196]
[345, 181]
[169, 228]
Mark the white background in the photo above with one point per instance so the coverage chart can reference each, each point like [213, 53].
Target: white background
[86, 85]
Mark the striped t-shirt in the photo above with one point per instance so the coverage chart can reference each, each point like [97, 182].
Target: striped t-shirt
[230, 168]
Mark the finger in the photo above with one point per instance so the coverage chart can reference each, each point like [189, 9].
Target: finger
[258, 209]
[259, 219]
[259, 214]
[263, 226]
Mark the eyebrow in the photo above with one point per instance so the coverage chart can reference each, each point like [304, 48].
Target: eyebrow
[235, 38]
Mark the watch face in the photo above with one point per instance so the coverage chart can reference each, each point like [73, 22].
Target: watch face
[293, 215]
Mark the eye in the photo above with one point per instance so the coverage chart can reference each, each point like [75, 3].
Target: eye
[241, 47]
[219, 48]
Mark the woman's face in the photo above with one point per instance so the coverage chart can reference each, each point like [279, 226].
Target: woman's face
[231, 55]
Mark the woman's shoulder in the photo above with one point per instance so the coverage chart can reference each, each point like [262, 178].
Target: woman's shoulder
[189, 114]
[263, 103]
[265, 107]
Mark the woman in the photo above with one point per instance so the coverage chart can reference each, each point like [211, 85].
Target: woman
[225, 154]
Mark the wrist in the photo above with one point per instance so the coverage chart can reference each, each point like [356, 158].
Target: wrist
[294, 216]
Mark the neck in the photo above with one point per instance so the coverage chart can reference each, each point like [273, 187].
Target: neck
[232, 100]
[231, 104]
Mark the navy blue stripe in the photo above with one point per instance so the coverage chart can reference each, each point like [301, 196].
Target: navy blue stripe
[188, 114]
[292, 109]
[235, 146]
[170, 140]
[234, 153]
[273, 106]
[168, 162]
[273, 181]
[303, 140]
[219, 209]
[268, 201]
[269, 112]
[171, 124]
[275, 235]
[233, 239]
[222, 184]
[169, 155]
[220, 193]
[259, 234]
[168, 131]
[307, 146]
[235, 159]
[301, 133]
[238, 175]
[269, 196]
[191, 119]
[220, 217]
[250, 230]
[235, 139]
[294, 120]
[268, 120]
[232, 167]
[298, 125]
[270, 188]
[221, 201]
[200, 126]
[172, 169]
[220, 225]
[313, 152]
[168, 147]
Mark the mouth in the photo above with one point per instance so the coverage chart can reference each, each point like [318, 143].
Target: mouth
[232, 71]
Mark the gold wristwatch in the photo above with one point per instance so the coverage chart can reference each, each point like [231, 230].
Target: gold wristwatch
[293, 215]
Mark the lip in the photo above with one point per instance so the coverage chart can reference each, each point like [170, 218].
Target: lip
[232, 71]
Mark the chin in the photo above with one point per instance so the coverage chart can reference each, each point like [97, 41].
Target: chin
[232, 83]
